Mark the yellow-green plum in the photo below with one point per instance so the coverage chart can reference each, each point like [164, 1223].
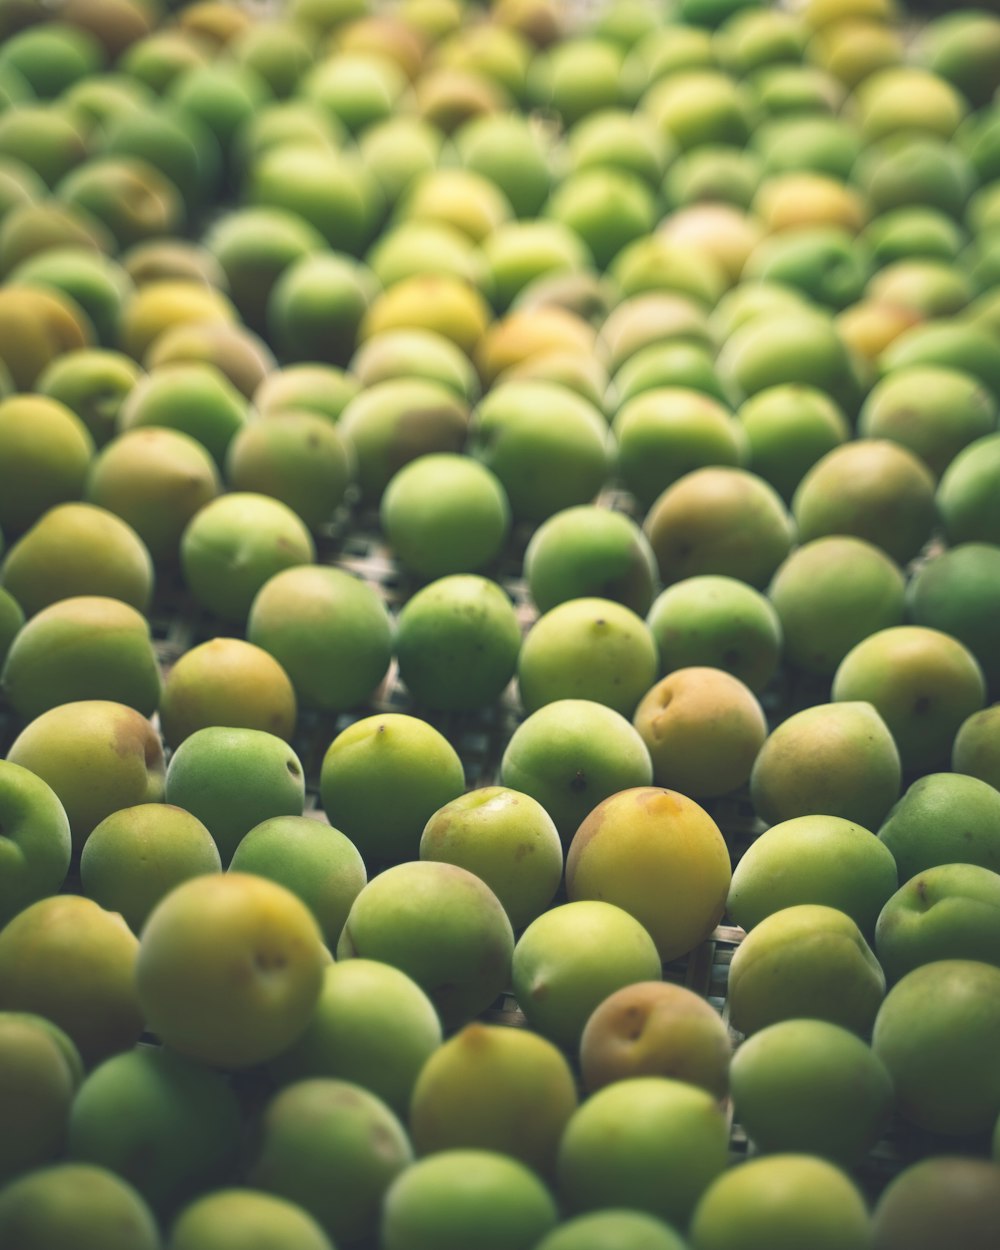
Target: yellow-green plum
[514, 156]
[937, 1034]
[669, 430]
[833, 759]
[655, 1028]
[329, 631]
[196, 937]
[967, 491]
[703, 728]
[922, 682]
[784, 346]
[951, 911]
[719, 520]
[813, 859]
[70, 961]
[571, 754]
[811, 1087]
[832, 593]
[307, 387]
[417, 247]
[872, 488]
[332, 1148]
[227, 1218]
[945, 1198]
[660, 857]
[505, 837]
[593, 649]
[944, 818]
[318, 864]
[590, 551]
[232, 779]
[373, 1025]
[461, 1198]
[442, 926]
[316, 306]
[613, 1230]
[382, 779]
[138, 854]
[494, 1088]
[98, 756]
[47, 452]
[38, 1082]
[164, 1124]
[36, 845]
[607, 208]
[651, 1144]
[86, 647]
[782, 1202]
[571, 958]
[299, 458]
[11, 621]
[242, 356]
[808, 960]
[718, 622]
[976, 749]
[955, 592]
[254, 247]
[520, 253]
[38, 325]
[195, 398]
[415, 354]
[788, 428]
[933, 410]
[654, 317]
[399, 152]
[458, 197]
[445, 513]
[75, 1204]
[226, 681]
[156, 480]
[688, 367]
[544, 466]
[457, 643]
[949, 342]
[235, 544]
[93, 383]
[78, 549]
[658, 263]
[393, 422]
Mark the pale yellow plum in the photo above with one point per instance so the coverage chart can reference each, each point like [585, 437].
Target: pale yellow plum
[660, 857]
[78, 549]
[226, 681]
[86, 647]
[138, 854]
[98, 756]
[229, 969]
[70, 961]
[655, 1028]
[703, 728]
[155, 479]
[494, 1088]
